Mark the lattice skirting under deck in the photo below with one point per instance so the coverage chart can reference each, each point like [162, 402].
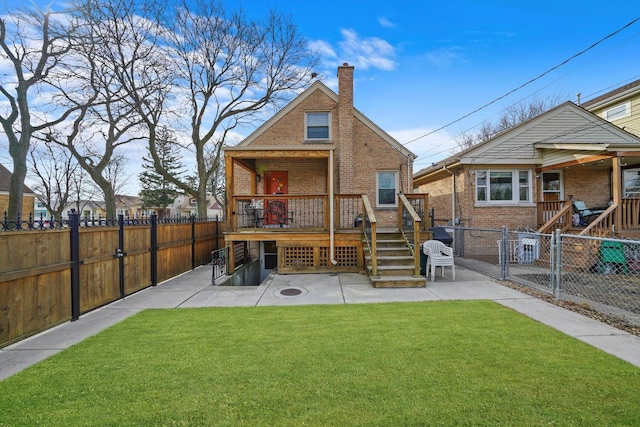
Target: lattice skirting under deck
[311, 259]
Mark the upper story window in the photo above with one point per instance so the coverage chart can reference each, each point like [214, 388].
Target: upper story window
[386, 191]
[317, 125]
[503, 186]
[617, 112]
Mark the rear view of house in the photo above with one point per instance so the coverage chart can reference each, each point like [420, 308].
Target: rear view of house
[302, 188]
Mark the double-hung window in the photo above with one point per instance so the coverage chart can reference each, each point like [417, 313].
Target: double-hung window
[386, 185]
[503, 186]
[317, 126]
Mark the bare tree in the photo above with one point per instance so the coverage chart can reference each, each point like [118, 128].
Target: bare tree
[91, 83]
[35, 43]
[55, 171]
[227, 69]
[510, 117]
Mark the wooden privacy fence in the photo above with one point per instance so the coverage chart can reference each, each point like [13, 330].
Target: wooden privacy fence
[54, 275]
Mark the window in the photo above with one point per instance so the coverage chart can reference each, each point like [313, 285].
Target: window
[386, 183]
[551, 186]
[618, 112]
[503, 186]
[317, 126]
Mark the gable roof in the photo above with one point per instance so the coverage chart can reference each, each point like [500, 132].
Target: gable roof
[5, 181]
[613, 96]
[565, 127]
[319, 86]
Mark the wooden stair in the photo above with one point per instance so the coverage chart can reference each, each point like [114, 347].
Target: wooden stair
[395, 263]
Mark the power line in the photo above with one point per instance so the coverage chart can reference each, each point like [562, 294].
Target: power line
[525, 84]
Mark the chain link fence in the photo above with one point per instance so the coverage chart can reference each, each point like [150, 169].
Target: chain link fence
[600, 273]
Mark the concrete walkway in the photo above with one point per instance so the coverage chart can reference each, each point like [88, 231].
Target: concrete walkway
[193, 289]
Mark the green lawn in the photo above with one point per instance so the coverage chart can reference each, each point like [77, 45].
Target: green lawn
[405, 364]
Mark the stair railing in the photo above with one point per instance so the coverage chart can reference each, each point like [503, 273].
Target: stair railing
[369, 231]
[409, 225]
[603, 225]
[561, 220]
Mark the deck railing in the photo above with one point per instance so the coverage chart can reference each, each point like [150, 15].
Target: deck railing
[548, 209]
[420, 204]
[630, 213]
[285, 212]
[561, 220]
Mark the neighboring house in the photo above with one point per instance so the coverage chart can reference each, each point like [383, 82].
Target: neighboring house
[129, 206]
[186, 206]
[86, 208]
[620, 106]
[528, 175]
[28, 198]
[295, 187]
[40, 209]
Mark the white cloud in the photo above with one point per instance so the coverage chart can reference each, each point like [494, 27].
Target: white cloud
[368, 52]
[444, 57]
[323, 48]
[383, 21]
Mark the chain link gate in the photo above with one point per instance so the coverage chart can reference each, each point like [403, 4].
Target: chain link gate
[600, 273]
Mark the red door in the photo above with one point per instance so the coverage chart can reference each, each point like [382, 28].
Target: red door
[276, 211]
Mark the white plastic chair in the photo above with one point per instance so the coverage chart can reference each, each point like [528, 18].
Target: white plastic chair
[439, 255]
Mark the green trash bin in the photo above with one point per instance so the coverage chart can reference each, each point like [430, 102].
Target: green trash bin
[423, 262]
[612, 257]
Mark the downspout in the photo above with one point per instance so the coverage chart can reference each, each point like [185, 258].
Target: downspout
[331, 213]
[453, 201]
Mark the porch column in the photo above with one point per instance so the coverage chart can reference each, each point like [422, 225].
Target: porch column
[230, 220]
[616, 183]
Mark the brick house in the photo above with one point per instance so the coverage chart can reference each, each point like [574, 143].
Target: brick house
[529, 175]
[28, 198]
[298, 188]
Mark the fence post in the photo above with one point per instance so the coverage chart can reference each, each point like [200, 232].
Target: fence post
[217, 237]
[74, 244]
[120, 253]
[552, 263]
[153, 222]
[193, 242]
[504, 255]
[558, 262]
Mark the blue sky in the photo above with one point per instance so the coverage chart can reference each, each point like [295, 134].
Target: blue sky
[420, 65]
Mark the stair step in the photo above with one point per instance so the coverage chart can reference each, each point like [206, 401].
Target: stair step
[398, 282]
[393, 261]
[393, 270]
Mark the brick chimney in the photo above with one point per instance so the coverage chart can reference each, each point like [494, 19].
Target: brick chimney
[345, 147]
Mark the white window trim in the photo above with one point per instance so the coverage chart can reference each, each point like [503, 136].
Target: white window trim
[627, 111]
[306, 136]
[395, 198]
[560, 193]
[515, 191]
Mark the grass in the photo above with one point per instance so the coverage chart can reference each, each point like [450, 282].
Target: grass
[434, 363]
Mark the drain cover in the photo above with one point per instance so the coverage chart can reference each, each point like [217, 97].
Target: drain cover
[290, 292]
